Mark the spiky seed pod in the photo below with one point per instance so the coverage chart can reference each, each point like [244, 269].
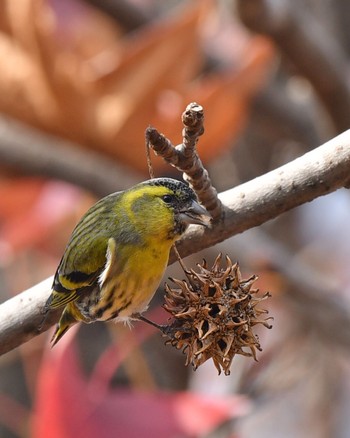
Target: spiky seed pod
[213, 313]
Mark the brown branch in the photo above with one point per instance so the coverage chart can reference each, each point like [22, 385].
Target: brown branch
[316, 173]
[315, 53]
[34, 152]
[185, 158]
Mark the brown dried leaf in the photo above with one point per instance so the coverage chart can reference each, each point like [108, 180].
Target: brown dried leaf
[71, 73]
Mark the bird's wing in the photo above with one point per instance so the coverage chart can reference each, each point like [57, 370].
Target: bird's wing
[79, 283]
[78, 276]
[85, 256]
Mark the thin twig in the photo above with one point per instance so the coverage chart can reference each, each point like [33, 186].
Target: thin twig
[183, 266]
[317, 173]
[179, 259]
[185, 158]
[193, 121]
[148, 158]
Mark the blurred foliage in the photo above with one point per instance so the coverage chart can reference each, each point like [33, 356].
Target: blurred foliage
[76, 72]
[70, 71]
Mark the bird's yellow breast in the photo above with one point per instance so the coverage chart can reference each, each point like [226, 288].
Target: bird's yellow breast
[129, 291]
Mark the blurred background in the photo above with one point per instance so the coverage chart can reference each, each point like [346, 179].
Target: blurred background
[80, 80]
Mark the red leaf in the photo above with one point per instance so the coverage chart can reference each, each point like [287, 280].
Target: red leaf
[35, 210]
[66, 408]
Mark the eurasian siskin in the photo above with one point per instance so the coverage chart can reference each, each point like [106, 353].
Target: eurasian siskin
[117, 253]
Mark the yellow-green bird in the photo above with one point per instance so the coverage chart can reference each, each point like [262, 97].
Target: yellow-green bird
[118, 252]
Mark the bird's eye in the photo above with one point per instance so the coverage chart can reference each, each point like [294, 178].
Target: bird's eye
[168, 199]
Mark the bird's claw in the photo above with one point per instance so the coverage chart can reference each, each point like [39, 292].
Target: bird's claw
[162, 327]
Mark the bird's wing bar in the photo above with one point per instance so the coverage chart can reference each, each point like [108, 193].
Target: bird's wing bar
[62, 295]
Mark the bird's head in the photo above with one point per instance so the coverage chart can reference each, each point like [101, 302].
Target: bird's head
[165, 207]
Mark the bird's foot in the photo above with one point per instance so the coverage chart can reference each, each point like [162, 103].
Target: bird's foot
[162, 328]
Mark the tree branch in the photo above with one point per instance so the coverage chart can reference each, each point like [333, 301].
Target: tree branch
[34, 152]
[309, 47]
[319, 172]
[316, 173]
[185, 157]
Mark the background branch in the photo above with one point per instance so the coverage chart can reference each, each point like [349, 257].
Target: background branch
[316, 173]
[311, 289]
[33, 152]
[124, 13]
[312, 50]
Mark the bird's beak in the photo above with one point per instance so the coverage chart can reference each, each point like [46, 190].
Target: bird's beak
[195, 214]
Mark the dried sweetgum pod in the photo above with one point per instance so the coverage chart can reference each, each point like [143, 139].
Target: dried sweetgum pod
[213, 314]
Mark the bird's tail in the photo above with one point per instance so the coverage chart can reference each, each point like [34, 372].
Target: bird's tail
[65, 323]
